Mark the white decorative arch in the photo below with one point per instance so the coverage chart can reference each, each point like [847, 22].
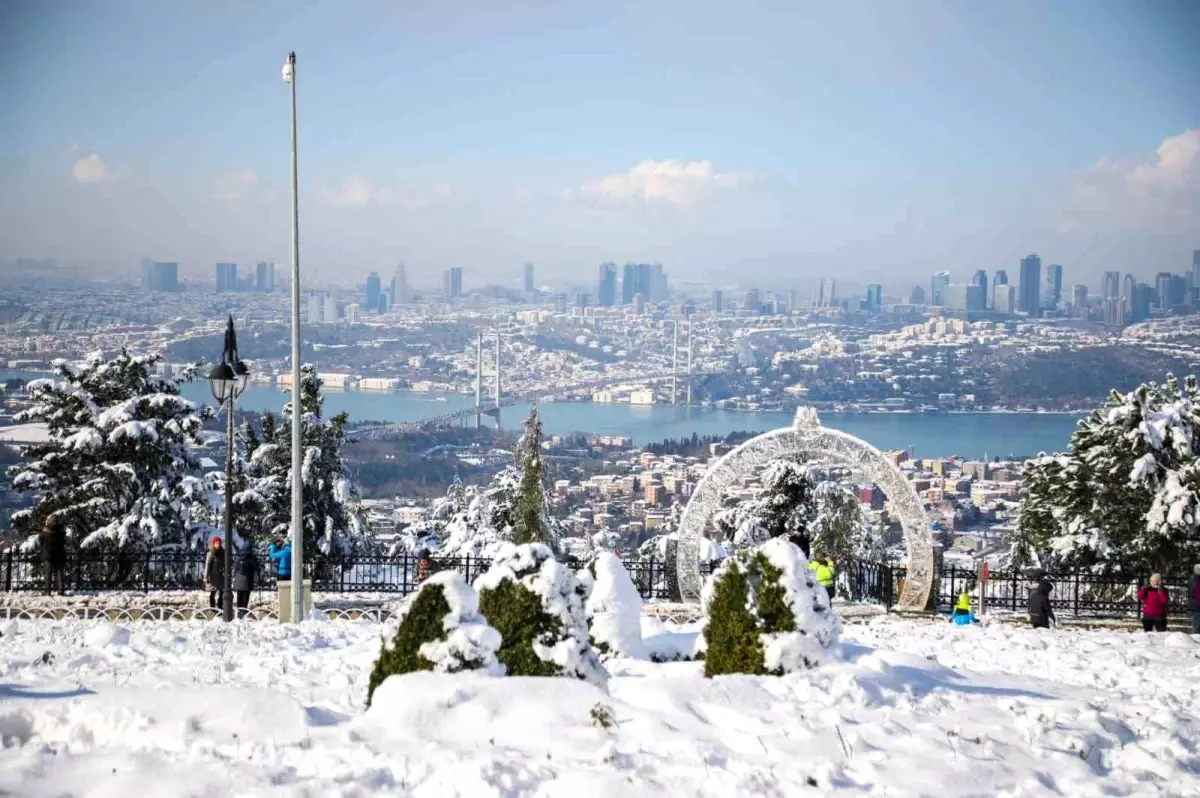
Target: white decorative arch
[808, 439]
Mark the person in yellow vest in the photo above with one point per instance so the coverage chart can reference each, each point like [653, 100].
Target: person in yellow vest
[961, 615]
[823, 568]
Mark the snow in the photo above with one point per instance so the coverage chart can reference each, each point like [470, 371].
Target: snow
[470, 642]
[913, 708]
[614, 609]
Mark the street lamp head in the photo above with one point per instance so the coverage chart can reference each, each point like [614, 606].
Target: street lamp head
[289, 68]
[222, 380]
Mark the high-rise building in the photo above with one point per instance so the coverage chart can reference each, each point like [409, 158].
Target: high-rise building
[353, 313]
[159, 275]
[751, 302]
[1143, 298]
[452, 282]
[718, 301]
[529, 278]
[1079, 300]
[1114, 312]
[606, 292]
[639, 304]
[1177, 293]
[1029, 297]
[374, 286]
[1128, 291]
[821, 298]
[264, 276]
[833, 300]
[981, 278]
[227, 279]
[321, 308]
[793, 301]
[659, 290]
[874, 298]
[1001, 277]
[937, 294]
[961, 298]
[1196, 269]
[1052, 286]
[916, 296]
[1161, 288]
[1004, 299]
[400, 293]
[629, 283]
[1111, 287]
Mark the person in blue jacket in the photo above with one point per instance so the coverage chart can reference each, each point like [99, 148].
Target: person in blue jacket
[281, 553]
[961, 615]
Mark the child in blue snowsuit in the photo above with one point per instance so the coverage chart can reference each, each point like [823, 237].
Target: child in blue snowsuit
[961, 615]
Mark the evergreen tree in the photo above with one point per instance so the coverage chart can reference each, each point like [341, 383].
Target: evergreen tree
[117, 468]
[837, 526]
[531, 519]
[1126, 494]
[333, 519]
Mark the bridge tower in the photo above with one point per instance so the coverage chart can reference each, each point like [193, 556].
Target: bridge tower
[675, 362]
[479, 380]
[689, 363]
[498, 380]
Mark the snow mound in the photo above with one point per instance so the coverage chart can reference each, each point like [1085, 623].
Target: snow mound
[470, 642]
[614, 610]
[105, 634]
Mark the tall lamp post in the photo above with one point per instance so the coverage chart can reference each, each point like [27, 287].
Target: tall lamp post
[289, 76]
[227, 381]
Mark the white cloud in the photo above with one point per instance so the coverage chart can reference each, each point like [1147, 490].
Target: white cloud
[672, 182]
[234, 186]
[355, 190]
[1157, 190]
[89, 169]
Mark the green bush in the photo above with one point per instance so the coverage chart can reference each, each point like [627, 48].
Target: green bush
[732, 632]
[516, 612]
[422, 624]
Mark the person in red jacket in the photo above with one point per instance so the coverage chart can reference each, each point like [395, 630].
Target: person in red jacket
[1154, 601]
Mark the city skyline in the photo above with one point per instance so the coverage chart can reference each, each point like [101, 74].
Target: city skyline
[775, 167]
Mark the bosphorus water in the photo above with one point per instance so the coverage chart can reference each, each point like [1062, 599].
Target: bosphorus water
[928, 435]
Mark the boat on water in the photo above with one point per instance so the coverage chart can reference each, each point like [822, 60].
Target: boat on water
[932, 409]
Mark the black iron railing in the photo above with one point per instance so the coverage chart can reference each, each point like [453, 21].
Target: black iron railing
[1076, 593]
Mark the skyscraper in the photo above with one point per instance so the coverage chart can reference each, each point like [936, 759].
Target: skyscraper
[452, 282]
[1079, 300]
[159, 275]
[606, 293]
[981, 278]
[874, 298]
[1111, 286]
[264, 276]
[820, 303]
[374, 285]
[916, 296]
[1143, 297]
[718, 301]
[1004, 299]
[1052, 286]
[793, 301]
[400, 294]
[529, 278]
[965, 298]
[629, 287]
[1029, 298]
[227, 279]
[937, 294]
[751, 302]
[1128, 291]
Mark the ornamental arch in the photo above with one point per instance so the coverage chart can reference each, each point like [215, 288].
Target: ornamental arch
[808, 439]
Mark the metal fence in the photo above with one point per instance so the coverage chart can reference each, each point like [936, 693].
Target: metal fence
[1076, 593]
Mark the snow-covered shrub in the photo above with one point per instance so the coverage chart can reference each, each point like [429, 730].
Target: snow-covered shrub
[766, 614]
[537, 604]
[440, 630]
[614, 610]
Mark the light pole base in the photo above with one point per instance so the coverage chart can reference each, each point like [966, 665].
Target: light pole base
[285, 601]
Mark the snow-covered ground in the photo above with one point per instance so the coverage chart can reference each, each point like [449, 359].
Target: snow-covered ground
[913, 708]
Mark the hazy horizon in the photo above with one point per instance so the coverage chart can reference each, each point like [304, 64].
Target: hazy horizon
[775, 144]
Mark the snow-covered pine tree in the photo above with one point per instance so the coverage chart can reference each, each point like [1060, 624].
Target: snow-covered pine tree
[334, 525]
[836, 524]
[1126, 494]
[117, 469]
[532, 521]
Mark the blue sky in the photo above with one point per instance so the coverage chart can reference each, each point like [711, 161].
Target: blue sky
[777, 142]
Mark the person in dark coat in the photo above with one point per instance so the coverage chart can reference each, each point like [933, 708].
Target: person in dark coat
[424, 566]
[243, 578]
[214, 573]
[1154, 601]
[800, 540]
[1040, 611]
[1193, 597]
[54, 554]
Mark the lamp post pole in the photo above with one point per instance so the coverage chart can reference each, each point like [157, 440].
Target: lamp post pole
[289, 75]
[227, 382]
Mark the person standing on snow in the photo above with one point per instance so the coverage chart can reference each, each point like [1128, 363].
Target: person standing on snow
[54, 554]
[1040, 611]
[1154, 601]
[281, 553]
[823, 568]
[214, 573]
[1193, 589]
[243, 578]
[961, 615]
